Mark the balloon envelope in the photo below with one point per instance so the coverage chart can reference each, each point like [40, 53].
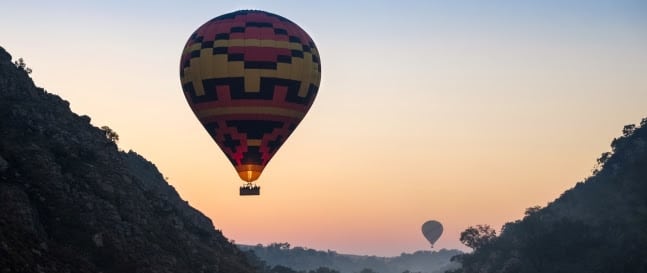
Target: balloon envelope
[250, 77]
[432, 230]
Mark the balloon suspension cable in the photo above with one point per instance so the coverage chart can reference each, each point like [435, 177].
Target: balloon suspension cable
[250, 189]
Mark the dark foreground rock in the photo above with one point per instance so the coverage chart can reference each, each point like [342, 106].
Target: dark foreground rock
[71, 202]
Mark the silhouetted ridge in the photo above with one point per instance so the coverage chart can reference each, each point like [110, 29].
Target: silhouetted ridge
[600, 225]
[71, 202]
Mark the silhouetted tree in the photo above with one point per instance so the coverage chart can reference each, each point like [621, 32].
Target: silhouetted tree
[110, 134]
[477, 237]
[532, 210]
[280, 246]
[628, 129]
[20, 63]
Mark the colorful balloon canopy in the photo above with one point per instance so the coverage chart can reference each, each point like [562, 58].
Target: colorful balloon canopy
[432, 230]
[250, 77]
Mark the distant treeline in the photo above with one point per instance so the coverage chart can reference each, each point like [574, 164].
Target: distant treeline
[281, 258]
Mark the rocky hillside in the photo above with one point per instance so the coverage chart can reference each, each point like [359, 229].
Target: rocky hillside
[71, 202]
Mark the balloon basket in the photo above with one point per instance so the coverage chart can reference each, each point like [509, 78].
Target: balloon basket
[250, 189]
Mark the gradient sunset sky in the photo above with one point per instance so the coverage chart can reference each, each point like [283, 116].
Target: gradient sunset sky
[466, 112]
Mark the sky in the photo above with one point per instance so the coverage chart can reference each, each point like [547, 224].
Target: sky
[465, 112]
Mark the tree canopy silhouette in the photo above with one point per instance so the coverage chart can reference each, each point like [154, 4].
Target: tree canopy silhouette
[476, 237]
[110, 134]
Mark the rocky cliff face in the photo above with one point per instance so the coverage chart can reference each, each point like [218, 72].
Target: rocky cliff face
[71, 202]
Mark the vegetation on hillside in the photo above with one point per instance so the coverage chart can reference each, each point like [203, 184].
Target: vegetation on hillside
[600, 225]
[70, 201]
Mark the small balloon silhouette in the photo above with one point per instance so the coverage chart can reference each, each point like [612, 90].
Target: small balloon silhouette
[432, 230]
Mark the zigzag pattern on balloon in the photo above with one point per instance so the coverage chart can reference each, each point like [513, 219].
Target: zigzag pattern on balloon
[250, 77]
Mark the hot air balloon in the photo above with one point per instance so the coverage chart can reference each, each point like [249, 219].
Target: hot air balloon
[250, 77]
[432, 230]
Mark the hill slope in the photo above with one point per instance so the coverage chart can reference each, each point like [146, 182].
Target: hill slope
[600, 225]
[71, 202]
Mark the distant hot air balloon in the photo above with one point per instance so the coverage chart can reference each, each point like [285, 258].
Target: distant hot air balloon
[432, 230]
[250, 77]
